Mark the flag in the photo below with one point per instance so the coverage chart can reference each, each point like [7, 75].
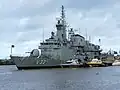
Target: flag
[12, 46]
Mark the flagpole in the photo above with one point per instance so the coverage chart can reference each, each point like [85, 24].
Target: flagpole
[11, 50]
[12, 46]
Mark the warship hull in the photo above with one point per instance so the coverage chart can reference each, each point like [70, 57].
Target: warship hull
[31, 63]
[37, 67]
[50, 67]
[34, 63]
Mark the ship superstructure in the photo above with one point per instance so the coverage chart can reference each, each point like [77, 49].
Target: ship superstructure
[58, 49]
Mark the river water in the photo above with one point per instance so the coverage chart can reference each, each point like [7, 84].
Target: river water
[98, 78]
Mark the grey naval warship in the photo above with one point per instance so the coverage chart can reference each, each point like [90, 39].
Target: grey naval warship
[57, 49]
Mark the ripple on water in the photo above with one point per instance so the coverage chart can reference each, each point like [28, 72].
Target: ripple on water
[60, 79]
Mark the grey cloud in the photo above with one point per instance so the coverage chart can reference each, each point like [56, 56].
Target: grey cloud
[36, 34]
[32, 27]
[30, 8]
[90, 4]
[22, 9]
[22, 23]
[27, 36]
[8, 24]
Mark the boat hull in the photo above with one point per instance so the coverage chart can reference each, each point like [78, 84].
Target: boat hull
[50, 67]
[37, 67]
[30, 63]
[34, 63]
[108, 62]
[97, 64]
[116, 64]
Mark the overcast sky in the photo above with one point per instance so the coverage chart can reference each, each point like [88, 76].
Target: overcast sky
[22, 22]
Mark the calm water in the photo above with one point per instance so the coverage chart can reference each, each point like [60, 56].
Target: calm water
[106, 78]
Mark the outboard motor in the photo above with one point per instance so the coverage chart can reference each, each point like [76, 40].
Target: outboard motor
[35, 53]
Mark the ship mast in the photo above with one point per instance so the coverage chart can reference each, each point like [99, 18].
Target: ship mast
[63, 15]
[61, 27]
[63, 21]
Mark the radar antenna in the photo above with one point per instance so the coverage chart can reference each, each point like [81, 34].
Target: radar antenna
[63, 13]
[63, 22]
[63, 17]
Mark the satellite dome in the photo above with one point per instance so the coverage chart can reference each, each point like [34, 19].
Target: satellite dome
[35, 53]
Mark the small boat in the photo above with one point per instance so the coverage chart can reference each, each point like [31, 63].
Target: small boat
[108, 62]
[72, 63]
[116, 63]
[95, 62]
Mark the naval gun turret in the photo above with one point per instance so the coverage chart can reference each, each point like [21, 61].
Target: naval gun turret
[35, 53]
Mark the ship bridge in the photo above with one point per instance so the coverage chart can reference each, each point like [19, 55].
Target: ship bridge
[50, 47]
[51, 43]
